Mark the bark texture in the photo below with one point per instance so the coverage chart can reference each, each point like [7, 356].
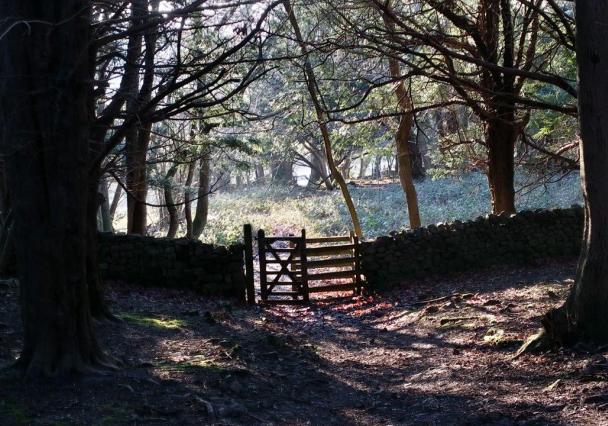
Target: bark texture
[499, 116]
[138, 137]
[188, 199]
[45, 108]
[202, 202]
[501, 135]
[584, 316]
[406, 121]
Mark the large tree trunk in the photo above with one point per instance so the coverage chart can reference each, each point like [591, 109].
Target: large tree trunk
[202, 202]
[138, 138]
[46, 108]
[500, 126]
[584, 316]
[501, 134]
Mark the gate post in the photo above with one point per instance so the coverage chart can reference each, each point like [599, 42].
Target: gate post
[357, 268]
[249, 275]
[304, 267]
[262, 260]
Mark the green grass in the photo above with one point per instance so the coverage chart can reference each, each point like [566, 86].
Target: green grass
[148, 321]
[281, 210]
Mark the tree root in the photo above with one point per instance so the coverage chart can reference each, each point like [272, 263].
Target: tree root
[444, 298]
[36, 369]
[105, 315]
[536, 343]
[557, 331]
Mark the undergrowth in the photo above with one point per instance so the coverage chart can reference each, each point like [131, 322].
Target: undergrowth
[285, 210]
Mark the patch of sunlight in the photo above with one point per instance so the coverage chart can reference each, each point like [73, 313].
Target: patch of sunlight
[147, 321]
[196, 363]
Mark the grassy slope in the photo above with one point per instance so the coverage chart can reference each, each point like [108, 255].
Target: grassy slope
[280, 210]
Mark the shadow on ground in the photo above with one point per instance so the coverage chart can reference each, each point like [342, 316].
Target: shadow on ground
[396, 358]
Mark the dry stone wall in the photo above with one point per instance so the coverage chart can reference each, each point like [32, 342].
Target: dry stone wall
[524, 238]
[181, 263]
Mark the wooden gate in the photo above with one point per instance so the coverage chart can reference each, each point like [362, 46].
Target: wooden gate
[293, 267]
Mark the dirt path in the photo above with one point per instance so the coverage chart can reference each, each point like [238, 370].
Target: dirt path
[377, 360]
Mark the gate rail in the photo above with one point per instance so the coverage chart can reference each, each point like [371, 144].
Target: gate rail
[293, 267]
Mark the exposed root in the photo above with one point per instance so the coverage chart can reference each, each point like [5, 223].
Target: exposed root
[537, 343]
[72, 364]
[458, 296]
[556, 332]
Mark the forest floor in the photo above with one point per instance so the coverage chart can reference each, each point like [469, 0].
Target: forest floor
[395, 358]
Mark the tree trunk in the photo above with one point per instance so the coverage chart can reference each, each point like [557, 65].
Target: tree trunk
[418, 170]
[377, 167]
[585, 314]
[282, 171]
[313, 88]
[345, 168]
[402, 139]
[115, 200]
[7, 246]
[7, 234]
[259, 172]
[138, 138]
[500, 126]
[188, 199]
[99, 307]
[500, 138]
[363, 163]
[319, 171]
[170, 202]
[4, 197]
[315, 172]
[46, 84]
[104, 209]
[137, 181]
[202, 203]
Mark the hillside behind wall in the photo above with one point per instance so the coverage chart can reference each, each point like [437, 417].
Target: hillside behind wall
[181, 263]
[524, 238]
